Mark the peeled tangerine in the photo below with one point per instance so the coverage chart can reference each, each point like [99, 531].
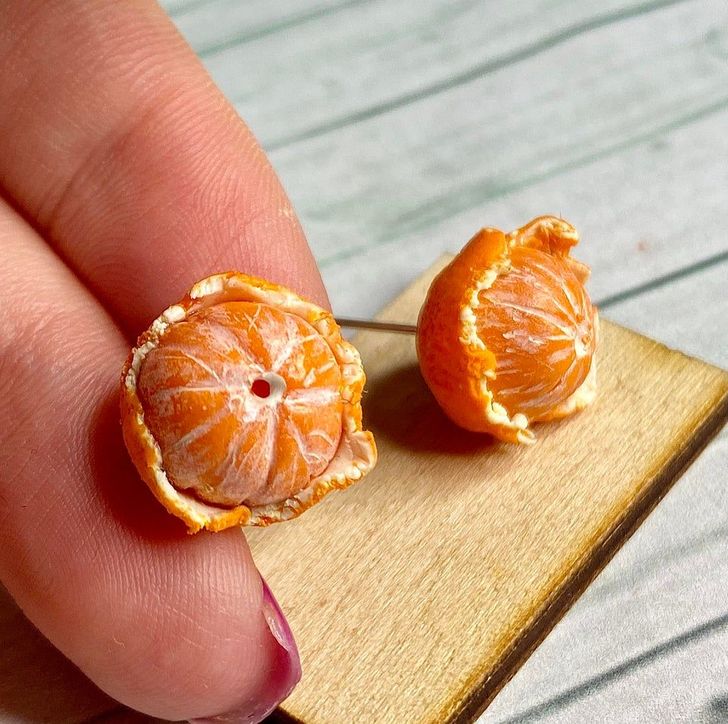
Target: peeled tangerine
[241, 405]
[507, 334]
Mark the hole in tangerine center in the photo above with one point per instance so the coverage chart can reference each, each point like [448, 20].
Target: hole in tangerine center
[260, 387]
[269, 386]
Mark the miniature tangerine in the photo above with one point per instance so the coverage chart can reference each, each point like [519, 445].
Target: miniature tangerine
[507, 334]
[241, 405]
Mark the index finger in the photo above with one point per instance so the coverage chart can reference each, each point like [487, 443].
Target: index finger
[121, 151]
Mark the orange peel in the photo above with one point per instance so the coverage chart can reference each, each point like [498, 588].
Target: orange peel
[507, 334]
[241, 405]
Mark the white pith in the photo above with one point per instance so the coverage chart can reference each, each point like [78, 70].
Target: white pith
[495, 414]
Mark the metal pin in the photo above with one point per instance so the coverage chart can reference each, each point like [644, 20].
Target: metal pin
[378, 326]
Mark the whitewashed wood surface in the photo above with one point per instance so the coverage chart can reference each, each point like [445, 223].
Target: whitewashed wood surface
[401, 127]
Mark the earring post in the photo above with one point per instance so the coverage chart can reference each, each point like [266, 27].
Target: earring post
[377, 326]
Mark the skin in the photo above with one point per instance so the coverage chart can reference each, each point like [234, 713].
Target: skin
[124, 177]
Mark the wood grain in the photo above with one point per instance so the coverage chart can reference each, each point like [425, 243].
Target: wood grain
[600, 111]
[416, 594]
[690, 314]
[453, 157]
[648, 640]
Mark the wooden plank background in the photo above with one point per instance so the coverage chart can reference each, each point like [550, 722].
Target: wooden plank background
[400, 127]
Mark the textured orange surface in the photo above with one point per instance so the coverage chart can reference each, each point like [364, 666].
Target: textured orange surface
[507, 333]
[226, 431]
[538, 322]
[241, 405]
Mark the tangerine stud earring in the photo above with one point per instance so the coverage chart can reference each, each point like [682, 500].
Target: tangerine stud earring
[507, 334]
[241, 405]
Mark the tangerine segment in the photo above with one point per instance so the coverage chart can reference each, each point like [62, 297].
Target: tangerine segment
[219, 438]
[241, 404]
[538, 322]
[507, 333]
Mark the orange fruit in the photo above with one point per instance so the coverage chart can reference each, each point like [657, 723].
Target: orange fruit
[241, 405]
[507, 334]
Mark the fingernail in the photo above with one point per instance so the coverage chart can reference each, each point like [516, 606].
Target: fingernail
[286, 673]
[282, 632]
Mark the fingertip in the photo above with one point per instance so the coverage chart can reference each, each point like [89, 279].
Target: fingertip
[216, 648]
[282, 677]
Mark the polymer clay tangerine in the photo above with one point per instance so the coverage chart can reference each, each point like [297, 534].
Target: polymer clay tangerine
[507, 334]
[241, 405]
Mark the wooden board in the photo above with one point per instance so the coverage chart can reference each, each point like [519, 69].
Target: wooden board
[416, 594]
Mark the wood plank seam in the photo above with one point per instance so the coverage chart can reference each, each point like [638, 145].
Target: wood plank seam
[661, 281]
[527, 52]
[205, 52]
[612, 674]
[474, 195]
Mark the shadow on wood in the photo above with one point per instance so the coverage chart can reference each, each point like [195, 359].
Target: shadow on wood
[400, 407]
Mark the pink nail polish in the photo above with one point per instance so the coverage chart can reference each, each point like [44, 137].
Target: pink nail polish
[281, 630]
[285, 676]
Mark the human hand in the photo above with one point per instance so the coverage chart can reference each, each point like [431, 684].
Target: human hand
[124, 177]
